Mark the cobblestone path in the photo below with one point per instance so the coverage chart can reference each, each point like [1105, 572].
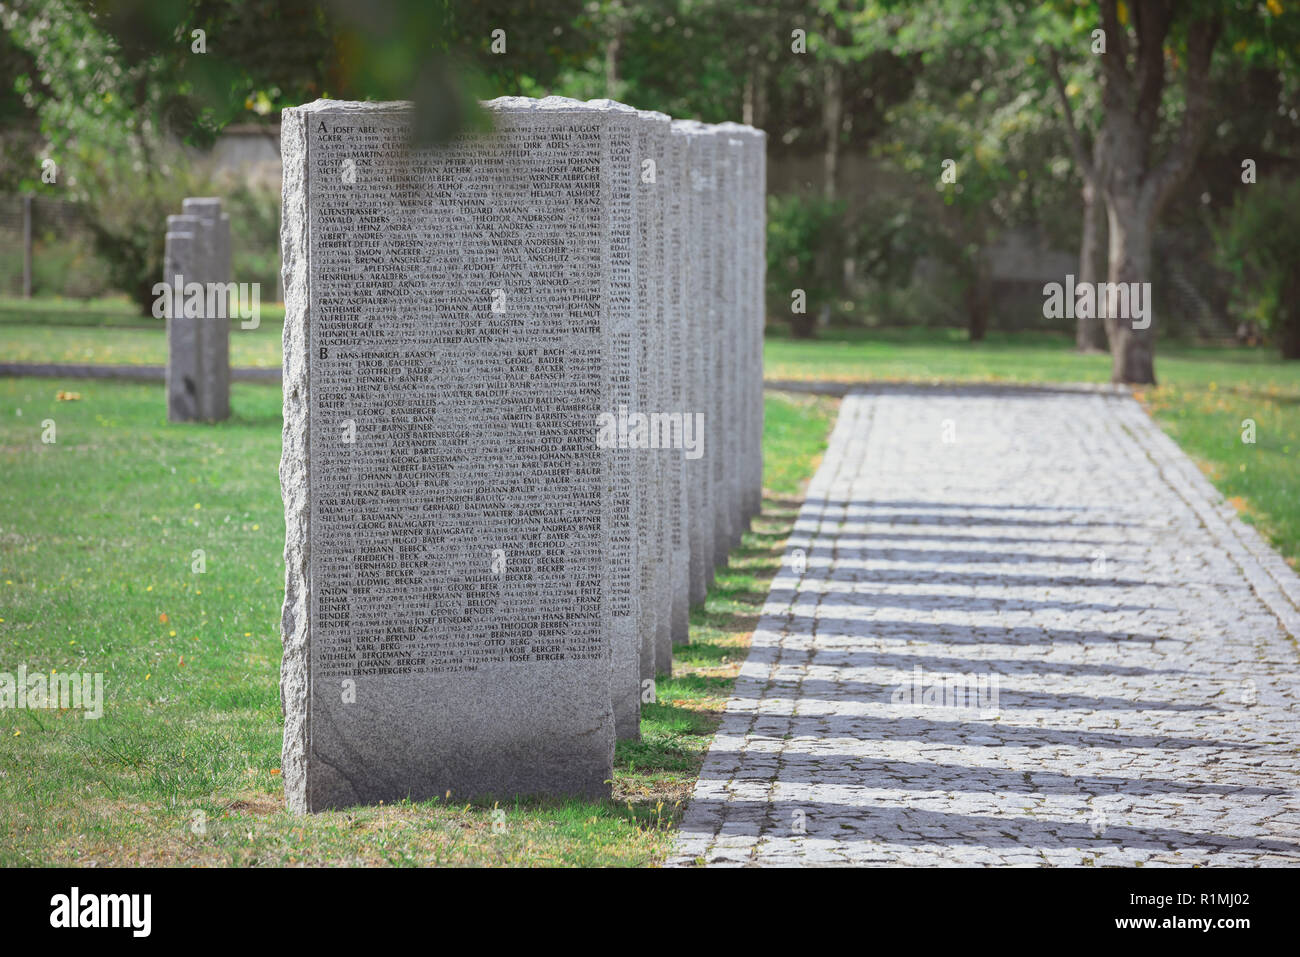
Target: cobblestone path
[1013, 626]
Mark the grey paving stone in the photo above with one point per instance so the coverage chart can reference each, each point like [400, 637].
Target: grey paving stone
[1140, 635]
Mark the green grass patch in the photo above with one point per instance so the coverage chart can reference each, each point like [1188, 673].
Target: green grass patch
[115, 312]
[1260, 479]
[98, 534]
[258, 348]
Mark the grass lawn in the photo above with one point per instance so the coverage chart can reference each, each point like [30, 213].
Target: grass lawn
[97, 535]
[112, 332]
[111, 311]
[108, 345]
[98, 531]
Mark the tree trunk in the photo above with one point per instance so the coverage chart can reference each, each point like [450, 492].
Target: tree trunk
[144, 296]
[611, 65]
[977, 316]
[978, 297]
[803, 325]
[760, 96]
[1132, 350]
[1090, 333]
[1288, 332]
[832, 123]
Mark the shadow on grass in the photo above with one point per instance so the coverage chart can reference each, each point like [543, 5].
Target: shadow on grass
[703, 651]
[726, 621]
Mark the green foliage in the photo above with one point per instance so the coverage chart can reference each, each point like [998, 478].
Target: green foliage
[94, 108]
[68, 268]
[1259, 244]
[103, 88]
[65, 266]
[128, 218]
[254, 231]
[101, 116]
[805, 237]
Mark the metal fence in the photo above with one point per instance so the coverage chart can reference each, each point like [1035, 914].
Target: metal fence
[47, 248]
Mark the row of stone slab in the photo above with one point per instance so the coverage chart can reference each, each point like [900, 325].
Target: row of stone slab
[193, 298]
[523, 422]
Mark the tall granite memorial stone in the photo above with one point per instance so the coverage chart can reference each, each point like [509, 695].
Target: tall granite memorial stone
[652, 220]
[698, 230]
[632, 637]
[746, 154]
[460, 544]
[757, 304]
[717, 273]
[739, 161]
[677, 361]
[650, 373]
[733, 354]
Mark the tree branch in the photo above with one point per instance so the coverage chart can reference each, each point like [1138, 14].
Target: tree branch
[1118, 88]
[1165, 179]
[1071, 131]
[1152, 23]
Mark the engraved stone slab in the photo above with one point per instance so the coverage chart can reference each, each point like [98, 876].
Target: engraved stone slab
[460, 563]
[713, 167]
[750, 253]
[675, 184]
[631, 643]
[696, 140]
[651, 218]
[758, 311]
[731, 374]
[650, 370]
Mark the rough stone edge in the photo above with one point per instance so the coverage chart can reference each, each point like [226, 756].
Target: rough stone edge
[295, 619]
[295, 667]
